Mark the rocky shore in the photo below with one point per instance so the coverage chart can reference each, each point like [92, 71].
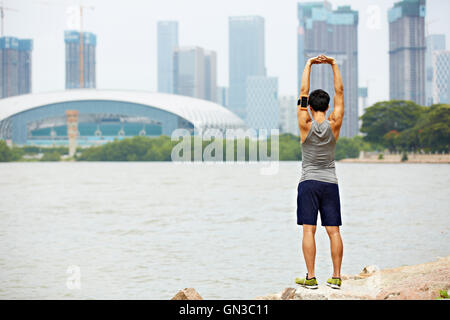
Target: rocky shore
[417, 282]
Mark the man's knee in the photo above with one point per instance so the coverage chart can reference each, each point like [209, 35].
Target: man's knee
[332, 231]
[309, 229]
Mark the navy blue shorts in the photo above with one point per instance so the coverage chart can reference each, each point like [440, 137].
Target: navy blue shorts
[314, 196]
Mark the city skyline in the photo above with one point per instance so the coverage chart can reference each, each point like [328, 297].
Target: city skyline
[116, 70]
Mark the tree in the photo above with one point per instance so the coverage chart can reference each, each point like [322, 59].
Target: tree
[386, 116]
[290, 148]
[434, 129]
[5, 152]
[51, 156]
[346, 148]
[390, 139]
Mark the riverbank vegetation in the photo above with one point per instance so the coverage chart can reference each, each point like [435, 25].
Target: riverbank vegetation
[160, 149]
[396, 126]
[403, 126]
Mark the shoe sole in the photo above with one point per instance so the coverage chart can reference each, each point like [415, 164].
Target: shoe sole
[333, 286]
[309, 287]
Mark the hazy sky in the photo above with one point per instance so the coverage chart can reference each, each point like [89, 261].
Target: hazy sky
[126, 37]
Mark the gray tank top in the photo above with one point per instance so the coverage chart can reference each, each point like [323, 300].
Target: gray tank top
[318, 153]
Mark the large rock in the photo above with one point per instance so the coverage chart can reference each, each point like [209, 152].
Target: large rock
[288, 294]
[369, 270]
[187, 294]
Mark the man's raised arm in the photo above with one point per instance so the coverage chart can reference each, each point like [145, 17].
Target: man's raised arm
[302, 113]
[338, 113]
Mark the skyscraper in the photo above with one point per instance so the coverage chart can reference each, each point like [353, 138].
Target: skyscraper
[262, 102]
[331, 32]
[441, 77]
[288, 121]
[167, 42]
[77, 77]
[189, 72]
[246, 58]
[210, 75]
[25, 49]
[195, 73]
[407, 51]
[435, 42]
[15, 66]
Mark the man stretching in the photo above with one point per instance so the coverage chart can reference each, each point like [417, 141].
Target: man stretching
[318, 187]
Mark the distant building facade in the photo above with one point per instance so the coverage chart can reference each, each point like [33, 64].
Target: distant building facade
[441, 77]
[288, 122]
[195, 73]
[246, 58]
[407, 51]
[210, 75]
[435, 42]
[25, 59]
[15, 66]
[332, 32]
[167, 42]
[363, 94]
[262, 102]
[222, 96]
[189, 72]
[75, 76]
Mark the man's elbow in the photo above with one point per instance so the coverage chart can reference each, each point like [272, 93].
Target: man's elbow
[339, 89]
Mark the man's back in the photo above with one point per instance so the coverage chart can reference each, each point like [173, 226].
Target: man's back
[318, 151]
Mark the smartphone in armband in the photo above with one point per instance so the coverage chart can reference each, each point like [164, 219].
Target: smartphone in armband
[303, 102]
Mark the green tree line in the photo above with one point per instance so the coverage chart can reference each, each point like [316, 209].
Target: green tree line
[403, 126]
[160, 149]
[399, 126]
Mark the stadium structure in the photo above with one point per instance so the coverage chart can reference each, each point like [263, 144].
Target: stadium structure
[105, 115]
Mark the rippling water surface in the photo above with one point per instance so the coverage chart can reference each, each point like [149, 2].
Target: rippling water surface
[145, 230]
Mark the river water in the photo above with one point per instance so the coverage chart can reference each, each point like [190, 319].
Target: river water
[146, 230]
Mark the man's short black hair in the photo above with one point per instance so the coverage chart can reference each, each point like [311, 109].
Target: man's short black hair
[319, 100]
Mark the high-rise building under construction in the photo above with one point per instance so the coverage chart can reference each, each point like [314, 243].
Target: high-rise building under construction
[407, 49]
[77, 77]
[15, 66]
[323, 30]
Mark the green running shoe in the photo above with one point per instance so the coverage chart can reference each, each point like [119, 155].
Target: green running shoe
[307, 283]
[334, 283]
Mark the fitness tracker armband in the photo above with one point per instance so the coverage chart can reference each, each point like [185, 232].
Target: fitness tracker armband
[303, 102]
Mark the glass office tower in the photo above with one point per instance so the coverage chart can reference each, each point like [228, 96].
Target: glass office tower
[246, 58]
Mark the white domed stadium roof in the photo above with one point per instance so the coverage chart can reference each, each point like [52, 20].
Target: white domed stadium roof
[201, 113]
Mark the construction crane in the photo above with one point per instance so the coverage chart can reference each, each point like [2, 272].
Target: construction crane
[2, 16]
[82, 8]
[82, 44]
